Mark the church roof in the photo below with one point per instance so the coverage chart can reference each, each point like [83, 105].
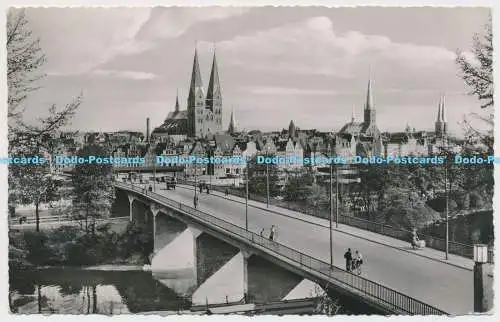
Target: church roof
[352, 128]
[175, 124]
[224, 142]
[177, 115]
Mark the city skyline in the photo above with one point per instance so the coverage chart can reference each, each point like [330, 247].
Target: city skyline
[268, 72]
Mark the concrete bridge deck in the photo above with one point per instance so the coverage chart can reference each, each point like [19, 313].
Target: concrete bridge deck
[446, 287]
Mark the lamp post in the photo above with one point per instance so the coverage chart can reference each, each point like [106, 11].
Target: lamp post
[154, 173]
[246, 195]
[480, 277]
[195, 177]
[447, 238]
[267, 179]
[331, 211]
[336, 197]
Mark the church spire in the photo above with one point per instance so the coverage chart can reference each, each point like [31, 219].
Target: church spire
[232, 123]
[213, 92]
[443, 113]
[369, 95]
[177, 102]
[369, 111]
[291, 129]
[353, 115]
[195, 74]
[439, 114]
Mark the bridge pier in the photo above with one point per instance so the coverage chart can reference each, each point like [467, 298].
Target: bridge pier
[131, 203]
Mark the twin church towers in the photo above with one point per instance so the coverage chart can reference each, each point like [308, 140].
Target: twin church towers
[204, 108]
[203, 117]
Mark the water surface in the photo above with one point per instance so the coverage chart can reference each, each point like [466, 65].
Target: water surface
[78, 291]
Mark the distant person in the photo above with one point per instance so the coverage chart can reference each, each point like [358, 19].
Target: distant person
[227, 192]
[195, 201]
[262, 233]
[358, 259]
[272, 234]
[200, 186]
[414, 238]
[208, 190]
[348, 260]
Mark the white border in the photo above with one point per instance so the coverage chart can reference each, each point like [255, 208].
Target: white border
[65, 3]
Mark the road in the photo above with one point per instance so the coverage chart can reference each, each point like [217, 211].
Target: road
[446, 287]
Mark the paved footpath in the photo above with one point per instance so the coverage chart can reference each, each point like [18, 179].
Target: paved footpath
[388, 261]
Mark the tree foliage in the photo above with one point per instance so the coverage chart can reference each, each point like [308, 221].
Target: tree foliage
[24, 60]
[477, 73]
[93, 190]
[31, 184]
[258, 173]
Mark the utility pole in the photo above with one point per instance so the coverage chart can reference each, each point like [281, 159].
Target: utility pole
[195, 177]
[246, 196]
[447, 210]
[267, 183]
[331, 212]
[336, 197]
[154, 173]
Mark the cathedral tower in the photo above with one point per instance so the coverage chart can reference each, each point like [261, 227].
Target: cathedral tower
[369, 112]
[196, 101]
[214, 101]
[441, 125]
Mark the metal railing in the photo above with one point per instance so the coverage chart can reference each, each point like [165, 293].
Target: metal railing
[433, 242]
[382, 295]
[62, 219]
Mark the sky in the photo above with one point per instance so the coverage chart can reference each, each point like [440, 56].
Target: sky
[310, 65]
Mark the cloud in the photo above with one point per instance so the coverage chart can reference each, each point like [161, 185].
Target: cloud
[289, 91]
[312, 47]
[98, 35]
[124, 74]
[174, 22]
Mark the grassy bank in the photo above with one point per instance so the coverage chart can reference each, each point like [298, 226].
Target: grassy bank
[70, 246]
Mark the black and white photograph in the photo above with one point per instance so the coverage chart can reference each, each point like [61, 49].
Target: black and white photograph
[250, 160]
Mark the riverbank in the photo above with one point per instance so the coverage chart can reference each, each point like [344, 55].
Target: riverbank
[69, 246]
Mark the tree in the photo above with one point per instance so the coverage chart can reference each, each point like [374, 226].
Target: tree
[93, 190]
[477, 73]
[24, 59]
[298, 188]
[257, 182]
[31, 184]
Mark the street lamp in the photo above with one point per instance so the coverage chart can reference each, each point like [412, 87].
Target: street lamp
[480, 287]
[154, 173]
[246, 194]
[267, 178]
[331, 209]
[446, 191]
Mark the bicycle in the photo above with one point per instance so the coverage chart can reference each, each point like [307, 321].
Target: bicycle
[356, 266]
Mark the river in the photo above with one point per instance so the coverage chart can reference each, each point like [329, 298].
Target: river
[84, 291]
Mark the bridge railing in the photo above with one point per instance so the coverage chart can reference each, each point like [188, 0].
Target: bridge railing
[62, 218]
[433, 242]
[383, 295]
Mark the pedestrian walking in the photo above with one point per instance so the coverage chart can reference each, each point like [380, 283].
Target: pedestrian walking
[208, 191]
[195, 201]
[227, 192]
[262, 233]
[200, 187]
[272, 234]
[348, 260]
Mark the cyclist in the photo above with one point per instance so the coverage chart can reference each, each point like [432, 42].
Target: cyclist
[357, 260]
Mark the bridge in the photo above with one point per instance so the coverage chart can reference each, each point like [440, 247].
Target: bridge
[232, 264]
